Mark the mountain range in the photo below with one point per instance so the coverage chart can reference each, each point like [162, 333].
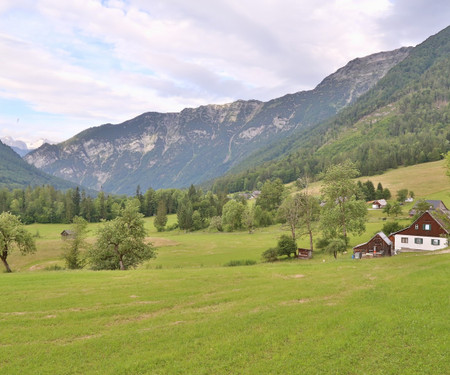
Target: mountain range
[162, 150]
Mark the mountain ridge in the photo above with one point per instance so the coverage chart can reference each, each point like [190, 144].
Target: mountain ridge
[198, 144]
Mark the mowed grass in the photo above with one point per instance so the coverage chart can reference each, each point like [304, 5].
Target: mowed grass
[382, 316]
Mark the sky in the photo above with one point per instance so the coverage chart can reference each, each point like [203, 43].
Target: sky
[66, 66]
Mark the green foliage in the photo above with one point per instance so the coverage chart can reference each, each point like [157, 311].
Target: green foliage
[74, 243]
[391, 227]
[216, 223]
[14, 235]
[343, 212]
[245, 262]
[335, 246]
[161, 216]
[270, 255]
[232, 216]
[271, 195]
[402, 194]
[286, 246]
[121, 242]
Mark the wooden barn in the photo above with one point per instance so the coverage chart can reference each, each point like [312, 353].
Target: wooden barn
[379, 245]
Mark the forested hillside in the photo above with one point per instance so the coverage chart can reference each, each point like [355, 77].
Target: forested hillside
[403, 120]
[16, 173]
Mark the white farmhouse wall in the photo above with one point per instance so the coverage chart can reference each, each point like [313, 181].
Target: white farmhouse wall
[426, 245]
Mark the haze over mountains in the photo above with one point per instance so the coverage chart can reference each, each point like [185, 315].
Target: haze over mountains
[22, 147]
[192, 146]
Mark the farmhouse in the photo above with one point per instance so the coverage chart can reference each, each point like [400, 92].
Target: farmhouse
[378, 245]
[380, 203]
[428, 232]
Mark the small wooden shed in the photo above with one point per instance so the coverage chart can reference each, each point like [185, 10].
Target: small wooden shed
[67, 233]
[379, 245]
[304, 253]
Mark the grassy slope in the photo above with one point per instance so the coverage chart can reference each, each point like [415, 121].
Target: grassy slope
[427, 180]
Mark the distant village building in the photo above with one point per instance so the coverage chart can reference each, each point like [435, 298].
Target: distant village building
[379, 245]
[433, 206]
[380, 203]
[428, 232]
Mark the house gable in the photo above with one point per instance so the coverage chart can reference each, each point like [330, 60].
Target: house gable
[425, 226]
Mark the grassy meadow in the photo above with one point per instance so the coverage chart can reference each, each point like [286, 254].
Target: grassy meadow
[185, 312]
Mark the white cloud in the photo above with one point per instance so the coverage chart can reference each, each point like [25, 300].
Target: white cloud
[95, 61]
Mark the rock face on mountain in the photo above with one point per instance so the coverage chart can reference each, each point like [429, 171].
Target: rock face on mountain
[164, 150]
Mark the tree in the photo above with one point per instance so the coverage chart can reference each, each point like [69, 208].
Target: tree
[286, 246]
[121, 241]
[391, 227]
[75, 242]
[13, 235]
[248, 218]
[342, 212]
[232, 215]
[300, 211]
[271, 195]
[396, 209]
[402, 194]
[161, 216]
[184, 214]
[336, 245]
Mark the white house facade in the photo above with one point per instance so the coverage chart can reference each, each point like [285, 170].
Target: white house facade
[404, 241]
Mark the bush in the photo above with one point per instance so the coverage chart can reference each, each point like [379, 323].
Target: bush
[54, 267]
[241, 262]
[270, 255]
[391, 227]
[172, 227]
[286, 245]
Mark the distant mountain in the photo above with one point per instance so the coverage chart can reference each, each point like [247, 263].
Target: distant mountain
[178, 149]
[16, 173]
[403, 120]
[22, 147]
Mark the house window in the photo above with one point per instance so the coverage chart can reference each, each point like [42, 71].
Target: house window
[435, 242]
[416, 226]
[418, 241]
[404, 239]
[427, 227]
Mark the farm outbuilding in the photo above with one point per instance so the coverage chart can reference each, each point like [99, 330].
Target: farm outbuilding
[379, 245]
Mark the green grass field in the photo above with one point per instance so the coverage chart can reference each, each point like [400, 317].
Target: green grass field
[382, 316]
[185, 312]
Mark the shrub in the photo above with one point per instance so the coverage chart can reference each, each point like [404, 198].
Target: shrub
[286, 245]
[240, 262]
[270, 255]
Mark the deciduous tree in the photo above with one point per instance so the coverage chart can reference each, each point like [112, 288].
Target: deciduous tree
[75, 242]
[13, 235]
[342, 212]
[121, 242]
